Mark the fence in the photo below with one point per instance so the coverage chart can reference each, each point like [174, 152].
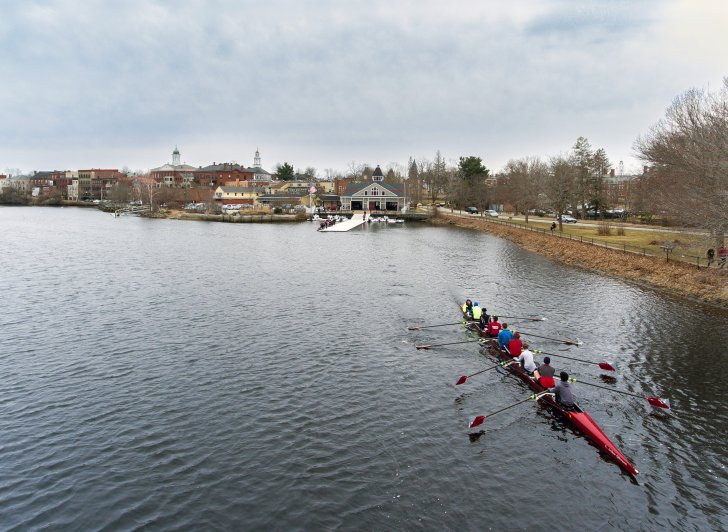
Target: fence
[667, 248]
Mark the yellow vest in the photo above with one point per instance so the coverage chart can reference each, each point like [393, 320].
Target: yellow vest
[477, 312]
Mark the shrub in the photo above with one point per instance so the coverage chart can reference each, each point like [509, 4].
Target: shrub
[604, 229]
[277, 210]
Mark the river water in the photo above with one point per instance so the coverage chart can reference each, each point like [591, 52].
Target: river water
[182, 375]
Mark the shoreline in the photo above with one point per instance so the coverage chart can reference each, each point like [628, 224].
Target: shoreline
[704, 285]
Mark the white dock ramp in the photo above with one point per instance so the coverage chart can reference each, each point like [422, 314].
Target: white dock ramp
[347, 225]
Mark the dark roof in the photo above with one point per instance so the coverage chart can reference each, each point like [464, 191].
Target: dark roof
[222, 167]
[353, 188]
[42, 175]
[258, 170]
[377, 172]
[239, 190]
[278, 197]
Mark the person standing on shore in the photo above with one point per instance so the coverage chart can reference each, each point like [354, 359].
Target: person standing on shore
[553, 227]
[711, 256]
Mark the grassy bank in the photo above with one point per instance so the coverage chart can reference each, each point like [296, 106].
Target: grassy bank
[686, 246]
[709, 285]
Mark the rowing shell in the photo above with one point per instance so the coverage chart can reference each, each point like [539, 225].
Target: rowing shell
[579, 418]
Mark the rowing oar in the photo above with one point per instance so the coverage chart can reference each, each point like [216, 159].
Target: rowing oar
[429, 346]
[566, 341]
[478, 420]
[503, 364]
[604, 365]
[420, 327]
[654, 401]
[530, 318]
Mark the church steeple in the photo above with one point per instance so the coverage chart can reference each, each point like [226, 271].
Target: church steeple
[175, 157]
[256, 160]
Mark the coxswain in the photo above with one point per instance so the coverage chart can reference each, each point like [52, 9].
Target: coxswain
[468, 308]
[504, 336]
[546, 373]
[526, 360]
[477, 312]
[494, 327]
[563, 391]
[515, 346]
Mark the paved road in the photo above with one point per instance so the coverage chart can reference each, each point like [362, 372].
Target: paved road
[547, 222]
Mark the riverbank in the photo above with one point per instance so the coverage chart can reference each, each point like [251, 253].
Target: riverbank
[703, 284]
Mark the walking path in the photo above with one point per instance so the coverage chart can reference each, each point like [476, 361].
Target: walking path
[340, 227]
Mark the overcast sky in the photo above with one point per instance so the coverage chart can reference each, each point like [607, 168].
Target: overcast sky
[94, 83]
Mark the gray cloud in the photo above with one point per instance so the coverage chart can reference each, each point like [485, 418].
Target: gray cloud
[100, 83]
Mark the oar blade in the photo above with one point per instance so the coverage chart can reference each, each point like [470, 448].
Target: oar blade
[423, 346]
[659, 403]
[606, 366]
[569, 341]
[476, 422]
[461, 380]
[414, 328]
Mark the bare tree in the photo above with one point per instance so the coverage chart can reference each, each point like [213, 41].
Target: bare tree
[435, 176]
[526, 180]
[354, 169]
[688, 154]
[561, 183]
[310, 172]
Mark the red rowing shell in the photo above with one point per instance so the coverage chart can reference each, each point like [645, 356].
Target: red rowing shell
[581, 420]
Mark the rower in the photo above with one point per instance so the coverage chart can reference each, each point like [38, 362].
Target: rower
[546, 373]
[514, 345]
[494, 327]
[526, 360]
[504, 336]
[477, 311]
[484, 320]
[563, 391]
[468, 308]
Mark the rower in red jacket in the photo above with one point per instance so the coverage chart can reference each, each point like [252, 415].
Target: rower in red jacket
[494, 327]
[515, 346]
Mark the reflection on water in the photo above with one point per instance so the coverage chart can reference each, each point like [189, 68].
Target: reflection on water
[200, 375]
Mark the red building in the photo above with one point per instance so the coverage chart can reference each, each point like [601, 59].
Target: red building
[223, 174]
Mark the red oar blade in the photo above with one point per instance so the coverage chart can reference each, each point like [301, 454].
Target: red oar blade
[423, 346]
[659, 403]
[461, 380]
[476, 422]
[607, 366]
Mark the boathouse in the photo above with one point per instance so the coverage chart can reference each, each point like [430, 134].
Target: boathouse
[375, 195]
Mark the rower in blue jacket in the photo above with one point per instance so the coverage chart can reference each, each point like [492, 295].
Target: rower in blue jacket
[504, 336]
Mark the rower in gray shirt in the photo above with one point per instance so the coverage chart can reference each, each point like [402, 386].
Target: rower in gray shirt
[563, 391]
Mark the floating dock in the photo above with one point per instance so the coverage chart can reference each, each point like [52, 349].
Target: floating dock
[347, 225]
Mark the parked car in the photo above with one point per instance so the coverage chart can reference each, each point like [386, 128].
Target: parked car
[472, 210]
[565, 218]
[491, 212]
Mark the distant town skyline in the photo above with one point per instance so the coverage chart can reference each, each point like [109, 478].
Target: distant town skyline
[325, 84]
